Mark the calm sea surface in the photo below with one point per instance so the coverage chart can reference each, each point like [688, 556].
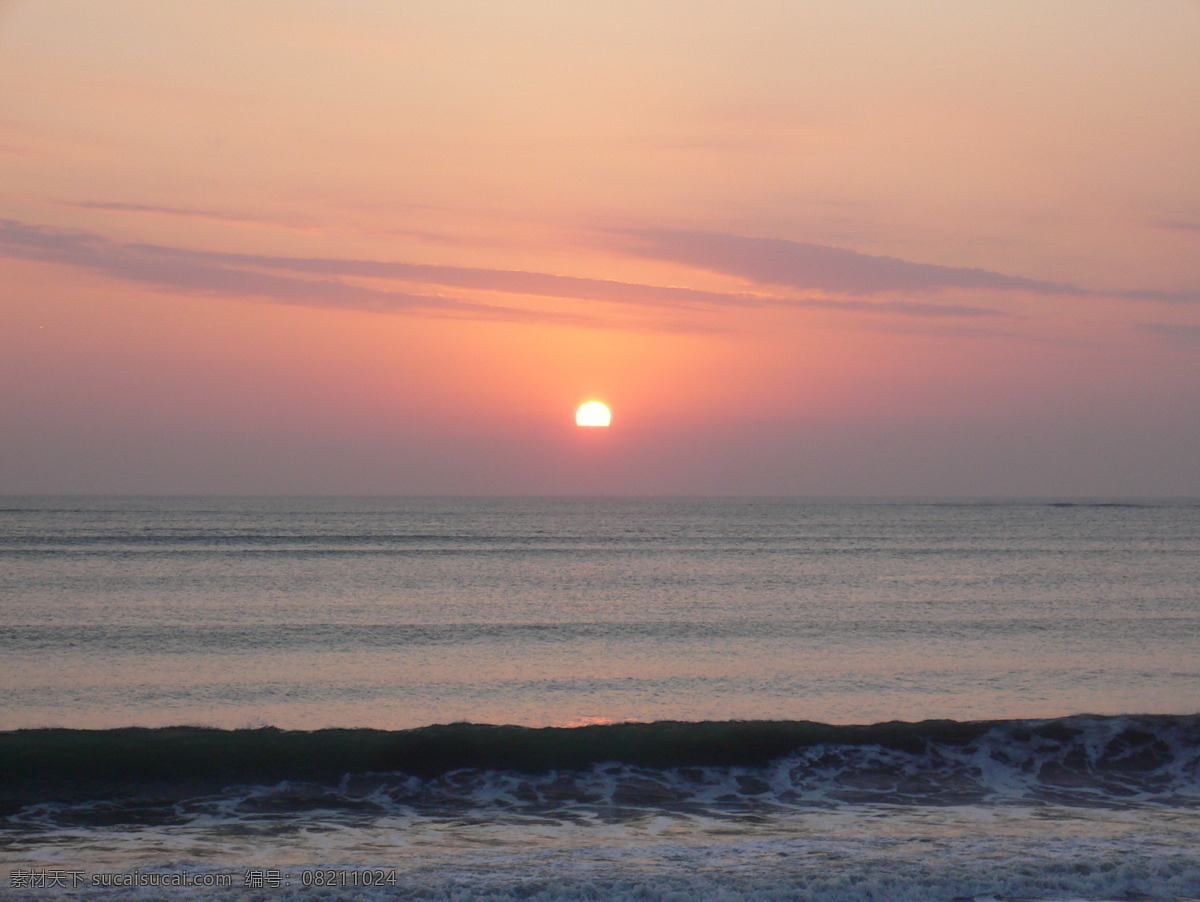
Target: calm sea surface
[393, 613]
[397, 614]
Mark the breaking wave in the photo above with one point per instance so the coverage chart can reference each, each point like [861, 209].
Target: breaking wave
[715, 767]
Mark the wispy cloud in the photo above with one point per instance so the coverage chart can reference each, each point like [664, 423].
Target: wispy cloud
[1171, 297]
[901, 308]
[288, 223]
[816, 267]
[319, 281]
[185, 213]
[500, 280]
[1180, 225]
[196, 272]
[1180, 334]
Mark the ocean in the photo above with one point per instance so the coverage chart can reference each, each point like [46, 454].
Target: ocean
[550, 699]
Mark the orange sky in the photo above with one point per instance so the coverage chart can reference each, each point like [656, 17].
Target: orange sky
[877, 248]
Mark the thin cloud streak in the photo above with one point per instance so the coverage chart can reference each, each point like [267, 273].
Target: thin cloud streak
[905, 308]
[241, 275]
[511, 281]
[809, 267]
[549, 285]
[1180, 225]
[1179, 334]
[185, 271]
[1170, 297]
[186, 212]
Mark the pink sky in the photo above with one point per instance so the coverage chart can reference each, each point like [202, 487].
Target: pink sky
[820, 248]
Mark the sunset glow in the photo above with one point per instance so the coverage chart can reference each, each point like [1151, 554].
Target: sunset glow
[817, 248]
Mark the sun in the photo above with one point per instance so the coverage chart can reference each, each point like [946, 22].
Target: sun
[593, 413]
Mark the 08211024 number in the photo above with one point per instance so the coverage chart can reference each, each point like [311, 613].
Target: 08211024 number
[337, 877]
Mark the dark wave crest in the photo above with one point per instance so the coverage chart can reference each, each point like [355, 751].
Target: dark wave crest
[1129, 759]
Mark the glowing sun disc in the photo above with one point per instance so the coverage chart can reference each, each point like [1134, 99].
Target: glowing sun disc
[593, 413]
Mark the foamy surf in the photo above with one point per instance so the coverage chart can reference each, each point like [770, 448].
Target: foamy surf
[1084, 808]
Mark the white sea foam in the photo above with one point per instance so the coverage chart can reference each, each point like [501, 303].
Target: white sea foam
[847, 853]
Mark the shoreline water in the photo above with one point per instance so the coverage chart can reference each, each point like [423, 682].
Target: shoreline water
[750, 685]
[1052, 809]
